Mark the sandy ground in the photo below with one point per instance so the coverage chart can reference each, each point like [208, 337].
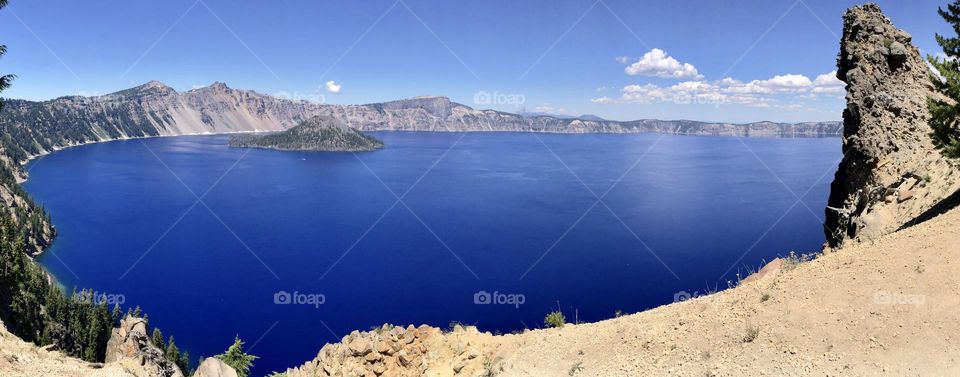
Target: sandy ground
[22, 359]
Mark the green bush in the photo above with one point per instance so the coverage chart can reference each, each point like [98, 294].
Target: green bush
[945, 116]
[555, 319]
[237, 358]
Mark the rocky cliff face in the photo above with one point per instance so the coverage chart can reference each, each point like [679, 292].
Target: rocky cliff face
[891, 171]
[400, 352]
[213, 367]
[130, 347]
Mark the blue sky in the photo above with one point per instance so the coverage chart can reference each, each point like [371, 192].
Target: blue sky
[616, 59]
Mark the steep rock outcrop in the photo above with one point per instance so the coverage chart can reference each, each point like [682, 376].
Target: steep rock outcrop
[891, 171]
[394, 351]
[214, 367]
[130, 346]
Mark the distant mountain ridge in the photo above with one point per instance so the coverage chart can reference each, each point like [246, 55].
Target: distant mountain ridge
[155, 109]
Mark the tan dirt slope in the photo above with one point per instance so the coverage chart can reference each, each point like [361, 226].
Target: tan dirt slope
[23, 359]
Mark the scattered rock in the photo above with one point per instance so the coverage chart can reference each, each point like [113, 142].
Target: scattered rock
[904, 195]
[769, 270]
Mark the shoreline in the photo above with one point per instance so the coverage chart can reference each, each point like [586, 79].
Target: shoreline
[23, 164]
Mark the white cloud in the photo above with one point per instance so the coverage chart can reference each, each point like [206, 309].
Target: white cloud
[728, 81]
[789, 83]
[828, 79]
[656, 63]
[622, 59]
[828, 83]
[787, 91]
[549, 109]
[333, 87]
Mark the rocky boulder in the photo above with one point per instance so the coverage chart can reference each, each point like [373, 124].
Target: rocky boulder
[394, 351]
[130, 346]
[891, 171]
[214, 367]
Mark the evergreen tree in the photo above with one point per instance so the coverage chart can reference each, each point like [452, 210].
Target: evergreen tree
[945, 117]
[237, 358]
[184, 363]
[5, 79]
[117, 315]
[157, 339]
[172, 353]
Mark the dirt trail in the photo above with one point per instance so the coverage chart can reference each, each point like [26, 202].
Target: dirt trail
[22, 359]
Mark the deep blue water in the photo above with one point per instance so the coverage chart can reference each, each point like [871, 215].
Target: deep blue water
[484, 215]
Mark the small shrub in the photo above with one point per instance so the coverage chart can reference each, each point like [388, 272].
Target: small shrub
[237, 358]
[576, 368]
[765, 297]
[793, 260]
[488, 369]
[453, 325]
[751, 335]
[555, 319]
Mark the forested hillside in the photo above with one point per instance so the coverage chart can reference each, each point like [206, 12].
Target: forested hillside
[314, 134]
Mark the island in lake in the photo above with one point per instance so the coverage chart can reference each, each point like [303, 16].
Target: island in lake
[318, 133]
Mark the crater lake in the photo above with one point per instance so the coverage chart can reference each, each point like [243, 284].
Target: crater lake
[291, 250]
